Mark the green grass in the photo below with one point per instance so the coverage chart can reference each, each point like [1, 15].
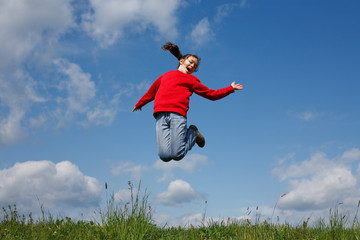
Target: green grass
[133, 220]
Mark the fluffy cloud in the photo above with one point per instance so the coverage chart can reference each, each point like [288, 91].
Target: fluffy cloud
[60, 185]
[37, 24]
[305, 168]
[10, 126]
[110, 18]
[77, 96]
[127, 167]
[320, 183]
[193, 219]
[77, 85]
[307, 116]
[178, 193]
[225, 9]
[188, 164]
[322, 190]
[351, 155]
[201, 32]
[17, 93]
[101, 116]
[123, 196]
[35, 29]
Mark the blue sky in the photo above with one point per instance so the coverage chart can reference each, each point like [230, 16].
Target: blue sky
[72, 71]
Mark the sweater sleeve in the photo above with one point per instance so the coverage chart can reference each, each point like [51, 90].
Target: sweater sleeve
[149, 95]
[210, 94]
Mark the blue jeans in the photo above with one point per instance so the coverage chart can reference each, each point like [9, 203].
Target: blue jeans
[174, 139]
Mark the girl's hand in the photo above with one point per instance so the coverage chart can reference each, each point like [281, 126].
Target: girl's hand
[237, 86]
[136, 109]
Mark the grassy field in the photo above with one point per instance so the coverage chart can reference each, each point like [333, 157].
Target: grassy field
[133, 220]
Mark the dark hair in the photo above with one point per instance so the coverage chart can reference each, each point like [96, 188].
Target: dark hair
[174, 49]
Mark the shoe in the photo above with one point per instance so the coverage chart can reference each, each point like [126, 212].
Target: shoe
[200, 140]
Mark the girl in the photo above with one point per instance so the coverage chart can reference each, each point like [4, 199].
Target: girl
[171, 93]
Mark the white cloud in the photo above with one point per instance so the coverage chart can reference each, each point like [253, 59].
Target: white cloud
[178, 193]
[57, 186]
[188, 164]
[78, 85]
[351, 155]
[111, 18]
[10, 127]
[202, 32]
[105, 112]
[284, 159]
[80, 91]
[307, 116]
[123, 196]
[76, 97]
[320, 183]
[35, 29]
[127, 167]
[226, 9]
[195, 219]
[37, 121]
[165, 220]
[307, 167]
[101, 116]
[17, 93]
[27, 25]
[223, 11]
[322, 190]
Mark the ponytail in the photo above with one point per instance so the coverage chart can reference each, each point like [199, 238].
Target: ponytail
[174, 49]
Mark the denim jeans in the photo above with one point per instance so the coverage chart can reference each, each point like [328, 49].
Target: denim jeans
[174, 139]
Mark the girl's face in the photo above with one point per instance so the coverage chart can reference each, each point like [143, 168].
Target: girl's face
[188, 65]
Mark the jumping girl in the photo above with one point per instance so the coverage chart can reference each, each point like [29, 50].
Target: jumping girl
[171, 93]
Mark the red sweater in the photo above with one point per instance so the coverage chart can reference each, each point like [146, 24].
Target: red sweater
[173, 89]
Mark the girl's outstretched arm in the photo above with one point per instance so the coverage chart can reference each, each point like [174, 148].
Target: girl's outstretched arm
[237, 86]
[149, 95]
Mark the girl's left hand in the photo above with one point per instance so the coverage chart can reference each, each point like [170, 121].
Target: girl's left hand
[136, 109]
[237, 86]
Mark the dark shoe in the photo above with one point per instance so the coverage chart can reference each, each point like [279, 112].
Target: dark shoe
[200, 140]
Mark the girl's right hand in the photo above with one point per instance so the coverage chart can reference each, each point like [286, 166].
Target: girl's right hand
[136, 109]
